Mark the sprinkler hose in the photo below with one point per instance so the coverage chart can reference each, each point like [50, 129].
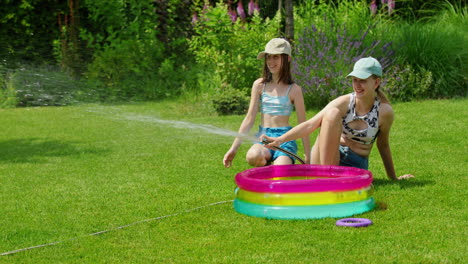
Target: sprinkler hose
[264, 141]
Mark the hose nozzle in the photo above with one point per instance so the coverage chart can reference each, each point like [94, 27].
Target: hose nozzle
[265, 141]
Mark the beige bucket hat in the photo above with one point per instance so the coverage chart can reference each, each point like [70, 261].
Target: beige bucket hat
[276, 46]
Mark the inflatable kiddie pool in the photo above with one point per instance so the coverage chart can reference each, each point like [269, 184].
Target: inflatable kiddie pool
[303, 191]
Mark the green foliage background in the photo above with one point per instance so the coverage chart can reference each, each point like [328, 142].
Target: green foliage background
[152, 50]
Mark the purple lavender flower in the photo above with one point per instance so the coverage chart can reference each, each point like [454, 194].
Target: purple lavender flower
[323, 60]
[206, 6]
[373, 7]
[240, 10]
[250, 7]
[194, 18]
[253, 7]
[391, 6]
[232, 14]
[256, 7]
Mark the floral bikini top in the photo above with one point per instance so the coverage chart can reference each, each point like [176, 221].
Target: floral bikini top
[276, 105]
[365, 136]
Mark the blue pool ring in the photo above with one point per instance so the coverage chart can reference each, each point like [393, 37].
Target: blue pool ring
[304, 212]
[354, 222]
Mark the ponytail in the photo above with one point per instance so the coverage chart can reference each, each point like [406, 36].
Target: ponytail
[383, 98]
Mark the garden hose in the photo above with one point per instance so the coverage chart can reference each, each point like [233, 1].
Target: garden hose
[264, 141]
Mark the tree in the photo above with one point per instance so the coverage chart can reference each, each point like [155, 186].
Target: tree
[28, 29]
[289, 20]
[71, 46]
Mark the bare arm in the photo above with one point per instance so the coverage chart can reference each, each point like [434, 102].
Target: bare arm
[298, 100]
[306, 128]
[383, 142]
[246, 124]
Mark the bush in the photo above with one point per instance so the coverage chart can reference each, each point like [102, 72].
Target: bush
[433, 45]
[7, 93]
[41, 86]
[230, 101]
[406, 84]
[228, 50]
[431, 51]
[128, 55]
[354, 14]
[175, 77]
[8, 97]
[126, 69]
[435, 48]
[325, 56]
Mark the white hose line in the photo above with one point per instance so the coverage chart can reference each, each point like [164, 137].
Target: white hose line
[113, 229]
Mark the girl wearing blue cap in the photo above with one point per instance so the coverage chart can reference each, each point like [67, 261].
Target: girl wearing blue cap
[350, 124]
[275, 95]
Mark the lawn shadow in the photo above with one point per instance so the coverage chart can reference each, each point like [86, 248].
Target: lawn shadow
[403, 184]
[36, 149]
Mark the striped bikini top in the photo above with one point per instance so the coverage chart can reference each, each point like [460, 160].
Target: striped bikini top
[276, 105]
[365, 136]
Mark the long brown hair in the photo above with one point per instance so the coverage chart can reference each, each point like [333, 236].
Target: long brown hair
[284, 74]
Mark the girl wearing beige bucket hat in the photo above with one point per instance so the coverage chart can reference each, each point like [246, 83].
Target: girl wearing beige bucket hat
[350, 124]
[275, 95]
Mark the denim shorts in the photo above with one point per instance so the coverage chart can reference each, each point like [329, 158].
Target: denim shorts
[350, 159]
[290, 146]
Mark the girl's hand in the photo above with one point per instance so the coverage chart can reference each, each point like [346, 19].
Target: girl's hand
[405, 177]
[228, 158]
[272, 141]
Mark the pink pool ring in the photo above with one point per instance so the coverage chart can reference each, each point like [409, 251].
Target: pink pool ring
[303, 191]
[303, 178]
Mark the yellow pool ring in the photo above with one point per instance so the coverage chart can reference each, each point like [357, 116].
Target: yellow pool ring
[309, 198]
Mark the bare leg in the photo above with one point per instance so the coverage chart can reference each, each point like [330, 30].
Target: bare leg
[258, 155]
[329, 138]
[283, 160]
[315, 152]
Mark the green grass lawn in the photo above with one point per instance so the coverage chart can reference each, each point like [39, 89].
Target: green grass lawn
[69, 172]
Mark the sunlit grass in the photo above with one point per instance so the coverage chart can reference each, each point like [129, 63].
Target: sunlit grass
[67, 172]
